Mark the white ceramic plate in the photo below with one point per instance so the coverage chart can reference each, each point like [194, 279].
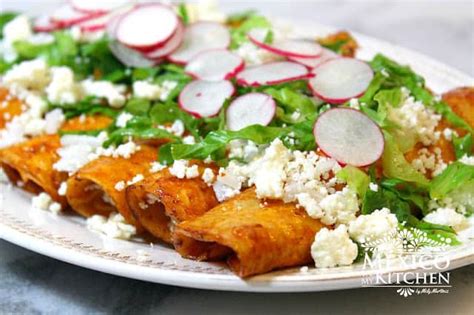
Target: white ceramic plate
[65, 237]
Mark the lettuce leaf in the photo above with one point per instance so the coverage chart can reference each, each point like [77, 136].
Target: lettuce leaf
[355, 178]
[456, 176]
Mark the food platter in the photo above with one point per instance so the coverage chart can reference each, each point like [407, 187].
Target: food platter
[66, 237]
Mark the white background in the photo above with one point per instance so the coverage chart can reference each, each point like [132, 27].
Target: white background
[31, 283]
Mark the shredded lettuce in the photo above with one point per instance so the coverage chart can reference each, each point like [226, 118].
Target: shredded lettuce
[463, 145]
[139, 127]
[6, 17]
[138, 106]
[397, 75]
[88, 106]
[456, 176]
[355, 178]
[247, 23]
[290, 101]
[396, 166]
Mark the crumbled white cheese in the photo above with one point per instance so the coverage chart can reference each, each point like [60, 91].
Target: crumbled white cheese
[62, 189]
[30, 75]
[208, 176]
[416, 119]
[468, 160]
[120, 185]
[254, 55]
[122, 119]
[177, 128]
[112, 93]
[302, 177]
[181, 169]
[447, 216]
[270, 175]
[63, 89]
[76, 151]
[373, 187]
[340, 207]
[137, 178]
[189, 140]
[245, 150]
[155, 167]
[448, 133]
[53, 121]
[333, 248]
[114, 226]
[150, 91]
[371, 227]
[43, 201]
[31, 122]
[429, 161]
[125, 150]
[17, 29]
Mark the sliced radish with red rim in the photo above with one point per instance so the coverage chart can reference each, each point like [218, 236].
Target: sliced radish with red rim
[130, 57]
[349, 136]
[101, 22]
[94, 6]
[66, 16]
[299, 48]
[272, 73]
[215, 65]
[311, 63]
[44, 24]
[200, 37]
[170, 46]
[147, 26]
[205, 98]
[250, 109]
[341, 79]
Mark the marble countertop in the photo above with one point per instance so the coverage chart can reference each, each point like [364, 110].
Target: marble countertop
[32, 284]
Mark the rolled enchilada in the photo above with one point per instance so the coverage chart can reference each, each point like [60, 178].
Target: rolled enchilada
[30, 163]
[161, 201]
[95, 188]
[255, 236]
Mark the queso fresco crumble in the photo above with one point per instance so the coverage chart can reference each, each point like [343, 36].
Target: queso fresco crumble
[385, 172]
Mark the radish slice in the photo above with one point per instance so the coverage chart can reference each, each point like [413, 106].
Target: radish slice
[250, 109]
[199, 37]
[311, 63]
[95, 24]
[170, 46]
[205, 98]
[349, 136]
[272, 73]
[341, 79]
[44, 24]
[215, 65]
[147, 26]
[101, 22]
[130, 57]
[94, 6]
[288, 47]
[66, 16]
